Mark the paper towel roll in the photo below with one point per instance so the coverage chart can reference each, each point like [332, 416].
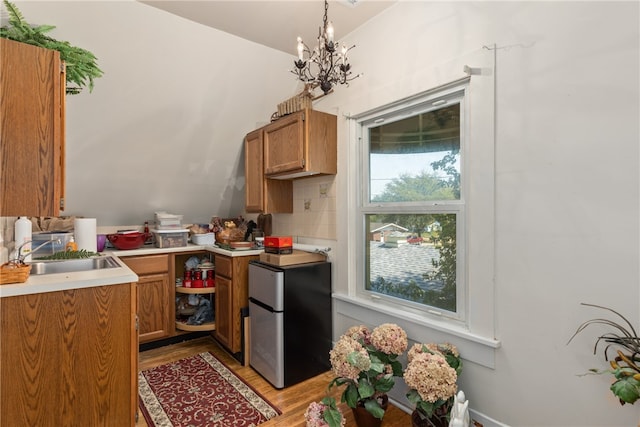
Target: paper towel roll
[84, 231]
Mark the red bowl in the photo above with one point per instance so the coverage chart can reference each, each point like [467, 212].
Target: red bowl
[128, 240]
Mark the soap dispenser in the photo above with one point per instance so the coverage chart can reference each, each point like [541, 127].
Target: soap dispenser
[22, 230]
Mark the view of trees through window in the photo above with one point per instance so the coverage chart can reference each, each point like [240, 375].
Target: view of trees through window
[414, 175]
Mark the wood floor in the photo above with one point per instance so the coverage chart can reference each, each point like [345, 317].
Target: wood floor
[292, 401]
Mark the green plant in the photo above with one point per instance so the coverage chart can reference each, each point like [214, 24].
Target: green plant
[81, 65]
[366, 362]
[624, 366]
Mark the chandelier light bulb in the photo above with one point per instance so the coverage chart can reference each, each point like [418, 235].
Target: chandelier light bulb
[300, 49]
[330, 32]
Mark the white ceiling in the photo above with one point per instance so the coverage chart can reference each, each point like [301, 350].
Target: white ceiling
[275, 24]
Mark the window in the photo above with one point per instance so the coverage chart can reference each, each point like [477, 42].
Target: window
[412, 208]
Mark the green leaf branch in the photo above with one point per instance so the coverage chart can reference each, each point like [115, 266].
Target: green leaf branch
[81, 65]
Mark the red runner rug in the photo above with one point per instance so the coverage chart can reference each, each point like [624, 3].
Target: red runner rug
[200, 391]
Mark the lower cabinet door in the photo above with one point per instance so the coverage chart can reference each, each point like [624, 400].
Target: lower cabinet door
[223, 314]
[153, 307]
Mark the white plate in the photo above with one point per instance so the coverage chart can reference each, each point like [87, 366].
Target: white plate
[242, 249]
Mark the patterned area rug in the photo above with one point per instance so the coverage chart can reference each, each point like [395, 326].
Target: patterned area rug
[200, 391]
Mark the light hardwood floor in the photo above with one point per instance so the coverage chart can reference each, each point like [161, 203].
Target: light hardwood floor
[292, 401]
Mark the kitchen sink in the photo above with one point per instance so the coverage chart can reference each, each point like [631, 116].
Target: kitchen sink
[72, 265]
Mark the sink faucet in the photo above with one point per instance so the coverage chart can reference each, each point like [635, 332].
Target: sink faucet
[20, 258]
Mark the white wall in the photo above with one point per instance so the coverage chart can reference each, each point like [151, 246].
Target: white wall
[566, 184]
[164, 127]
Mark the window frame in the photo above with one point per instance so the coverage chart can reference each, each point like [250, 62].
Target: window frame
[453, 93]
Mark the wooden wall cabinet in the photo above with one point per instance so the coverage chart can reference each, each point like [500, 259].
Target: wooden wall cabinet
[156, 308]
[69, 358]
[32, 141]
[301, 144]
[263, 195]
[232, 294]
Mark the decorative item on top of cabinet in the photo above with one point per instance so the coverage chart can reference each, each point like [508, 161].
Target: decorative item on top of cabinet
[263, 194]
[301, 144]
[33, 115]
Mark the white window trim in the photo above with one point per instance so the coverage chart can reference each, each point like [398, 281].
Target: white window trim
[475, 338]
[453, 93]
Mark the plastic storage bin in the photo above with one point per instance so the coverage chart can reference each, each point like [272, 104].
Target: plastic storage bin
[170, 238]
[52, 243]
[203, 239]
[165, 221]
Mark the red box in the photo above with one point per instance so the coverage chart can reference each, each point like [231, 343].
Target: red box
[278, 242]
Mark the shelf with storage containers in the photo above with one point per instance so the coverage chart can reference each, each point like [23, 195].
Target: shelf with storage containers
[196, 298]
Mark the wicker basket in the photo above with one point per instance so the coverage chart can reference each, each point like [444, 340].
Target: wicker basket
[14, 273]
[296, 103]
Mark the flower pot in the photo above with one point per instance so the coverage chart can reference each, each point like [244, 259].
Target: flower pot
[419, 419]
[364, 418]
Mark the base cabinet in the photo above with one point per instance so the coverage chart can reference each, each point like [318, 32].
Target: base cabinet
[69, 358]
[232, 295]
[155, 300]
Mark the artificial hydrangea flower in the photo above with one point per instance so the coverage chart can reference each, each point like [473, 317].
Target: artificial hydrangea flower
[431, 376]
[338, 357]
[359, 333]
[389, 339]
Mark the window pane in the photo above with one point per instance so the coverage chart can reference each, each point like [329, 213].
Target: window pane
[416, 158]
[413, 257]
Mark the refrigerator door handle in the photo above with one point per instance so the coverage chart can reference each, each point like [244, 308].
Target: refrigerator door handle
[261, 304]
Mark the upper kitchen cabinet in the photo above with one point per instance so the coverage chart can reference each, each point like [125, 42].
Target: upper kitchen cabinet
[301, 144]
[263, 195]
[32, 111]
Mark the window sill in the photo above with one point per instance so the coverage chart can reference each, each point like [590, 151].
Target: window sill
[472, 347]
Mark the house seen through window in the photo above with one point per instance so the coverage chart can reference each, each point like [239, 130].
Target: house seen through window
[413, 204]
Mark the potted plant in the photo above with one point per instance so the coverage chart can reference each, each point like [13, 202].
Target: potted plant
[324, 414]
[366, 363]
[625, 366]
[432, 374]
[81, 65]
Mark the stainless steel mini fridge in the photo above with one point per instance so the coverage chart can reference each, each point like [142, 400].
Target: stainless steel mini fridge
[290, 319]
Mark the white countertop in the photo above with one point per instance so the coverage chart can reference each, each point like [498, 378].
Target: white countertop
[107, 276]
[150, 250]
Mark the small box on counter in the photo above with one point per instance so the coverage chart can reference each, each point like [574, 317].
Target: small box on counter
[278, 242]
[170, 238]
[296, 257]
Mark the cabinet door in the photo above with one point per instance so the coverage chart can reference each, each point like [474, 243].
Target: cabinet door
[155, 314]
[224, 306]
[262, 194]
[253, 163]
[153, 307]
[32, 111]
[69, 358]
[284, 145]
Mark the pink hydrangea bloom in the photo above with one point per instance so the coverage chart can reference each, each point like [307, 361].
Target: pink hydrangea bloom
[431, 376]
[389, 338]
[314, 415]
[338, 358]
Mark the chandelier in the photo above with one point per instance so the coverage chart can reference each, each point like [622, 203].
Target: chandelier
[326, 65]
